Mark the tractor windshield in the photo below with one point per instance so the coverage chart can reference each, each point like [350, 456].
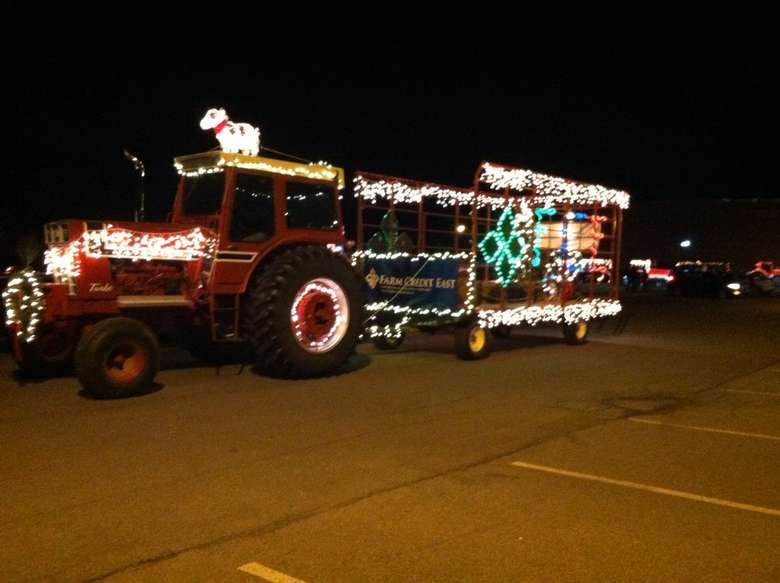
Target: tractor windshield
[203, 194]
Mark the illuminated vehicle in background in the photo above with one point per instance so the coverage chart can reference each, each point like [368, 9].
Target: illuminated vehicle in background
[764, 279]
[642, 274]
[659, 276]
[705, 279]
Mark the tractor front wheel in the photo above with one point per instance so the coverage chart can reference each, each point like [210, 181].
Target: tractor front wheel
[117, 357]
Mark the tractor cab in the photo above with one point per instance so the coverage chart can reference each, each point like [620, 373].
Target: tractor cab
[255, 205]
[251, 199]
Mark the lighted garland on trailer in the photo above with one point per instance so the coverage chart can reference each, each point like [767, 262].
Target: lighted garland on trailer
[24, 304]
[556, 313]
[551, 190]
[414, 256]
[399, 192]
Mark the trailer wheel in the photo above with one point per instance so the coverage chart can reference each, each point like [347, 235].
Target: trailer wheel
[51, 353]
[576, 333]
[304, 313]
[389, 342]
[472, 342]
[117, 357]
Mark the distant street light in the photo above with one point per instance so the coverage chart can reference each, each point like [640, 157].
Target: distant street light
[461, 228]
[685, 243]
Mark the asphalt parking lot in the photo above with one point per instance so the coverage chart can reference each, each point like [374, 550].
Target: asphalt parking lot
[652, 453]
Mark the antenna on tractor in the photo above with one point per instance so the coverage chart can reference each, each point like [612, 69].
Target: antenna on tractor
[138, 165]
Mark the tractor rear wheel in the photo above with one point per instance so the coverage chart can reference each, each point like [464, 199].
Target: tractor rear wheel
[304, 313]
[117, 357]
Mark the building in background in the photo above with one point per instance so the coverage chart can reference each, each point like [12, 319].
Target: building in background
[740, 231]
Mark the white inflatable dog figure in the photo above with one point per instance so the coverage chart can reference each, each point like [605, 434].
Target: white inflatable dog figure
[233, 137]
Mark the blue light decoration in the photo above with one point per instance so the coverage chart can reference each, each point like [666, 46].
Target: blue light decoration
[563, 263]
[540, 213]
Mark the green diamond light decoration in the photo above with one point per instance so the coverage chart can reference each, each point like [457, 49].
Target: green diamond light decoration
[505, 246]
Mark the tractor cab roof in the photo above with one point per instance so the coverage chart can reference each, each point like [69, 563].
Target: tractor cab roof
[216, 161]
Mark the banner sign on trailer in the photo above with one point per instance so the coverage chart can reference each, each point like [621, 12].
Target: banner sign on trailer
[404, 282]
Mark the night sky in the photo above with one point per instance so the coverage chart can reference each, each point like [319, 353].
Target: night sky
[663, 114]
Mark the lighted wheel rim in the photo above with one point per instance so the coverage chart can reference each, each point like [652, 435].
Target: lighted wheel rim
[580, 330]
[319, 315]
[477, 339]
[125, 362]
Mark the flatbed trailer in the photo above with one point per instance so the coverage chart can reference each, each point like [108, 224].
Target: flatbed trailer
[517, 248]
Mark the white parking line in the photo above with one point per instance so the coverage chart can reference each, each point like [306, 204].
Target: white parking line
[751, 392]
[708, 429]
[649, 488]
[268, 574]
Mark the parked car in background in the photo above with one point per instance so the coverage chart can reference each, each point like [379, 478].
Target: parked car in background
[659, 278]
[705, 279]
[763, 279]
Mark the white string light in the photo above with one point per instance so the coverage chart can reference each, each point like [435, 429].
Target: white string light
[300, 328]
[400, 192]
[64, 261]
[413, 256]
[570, 313]
[318, 171]
[120, 243]
[24, 304]
[393, 331]
[551, 190]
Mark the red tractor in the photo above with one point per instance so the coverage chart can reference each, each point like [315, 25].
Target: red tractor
[250, 255]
